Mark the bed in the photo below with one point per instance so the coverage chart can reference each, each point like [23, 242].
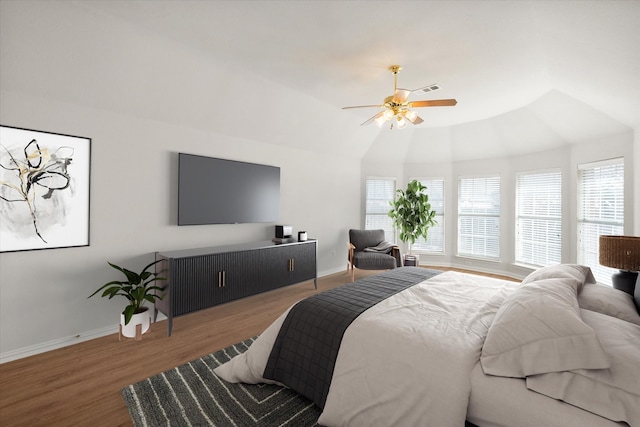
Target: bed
[414, 346]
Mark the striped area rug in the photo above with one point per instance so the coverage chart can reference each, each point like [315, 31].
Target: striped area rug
[192, 395]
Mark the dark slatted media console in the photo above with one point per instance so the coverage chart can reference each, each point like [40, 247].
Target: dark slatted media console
[201, 278]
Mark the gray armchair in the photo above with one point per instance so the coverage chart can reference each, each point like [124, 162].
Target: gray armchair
[369, 251]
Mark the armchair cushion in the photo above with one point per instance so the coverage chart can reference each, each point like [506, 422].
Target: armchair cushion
[373, 261]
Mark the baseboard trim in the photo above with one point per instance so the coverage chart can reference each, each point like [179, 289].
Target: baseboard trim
[32, 350]
[332, 271]
[35, 349]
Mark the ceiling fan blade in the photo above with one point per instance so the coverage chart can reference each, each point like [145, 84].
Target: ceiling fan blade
[416, 121]
[400, 95]
[373, 118]
[363, 106]
[434, 103]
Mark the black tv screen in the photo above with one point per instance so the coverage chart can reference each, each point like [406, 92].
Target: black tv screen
[219, 191]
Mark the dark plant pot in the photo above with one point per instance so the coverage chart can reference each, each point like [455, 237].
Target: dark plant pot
[410, 261]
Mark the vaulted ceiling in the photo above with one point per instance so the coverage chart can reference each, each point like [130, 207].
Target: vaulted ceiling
[528, 75]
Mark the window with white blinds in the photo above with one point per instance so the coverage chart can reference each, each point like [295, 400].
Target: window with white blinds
[379, 192]
[435, 237]
[479, 217]
[600, 211]
[539, 218]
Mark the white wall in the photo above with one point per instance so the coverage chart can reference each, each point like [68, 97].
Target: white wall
[60, 73]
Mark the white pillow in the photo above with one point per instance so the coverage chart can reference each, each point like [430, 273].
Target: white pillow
[581, 273]
[613, 393]
[609, 301]
[538, 329]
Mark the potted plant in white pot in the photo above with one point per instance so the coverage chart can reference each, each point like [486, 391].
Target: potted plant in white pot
[411, 213]
[138, 288]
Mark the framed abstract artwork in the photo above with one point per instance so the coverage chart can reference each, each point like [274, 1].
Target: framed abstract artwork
[44, 190]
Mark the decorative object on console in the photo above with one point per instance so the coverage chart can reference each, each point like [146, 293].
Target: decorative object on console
[283, 231]
[135, 320]
[623, 253]
[44, 190]
[302, 236]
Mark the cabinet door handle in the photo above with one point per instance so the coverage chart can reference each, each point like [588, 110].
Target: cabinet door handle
[222, 279]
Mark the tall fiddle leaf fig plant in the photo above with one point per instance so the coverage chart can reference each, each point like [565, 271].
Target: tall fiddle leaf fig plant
[411, 212]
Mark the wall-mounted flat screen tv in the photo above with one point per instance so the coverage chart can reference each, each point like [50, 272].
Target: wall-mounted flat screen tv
[219, 191]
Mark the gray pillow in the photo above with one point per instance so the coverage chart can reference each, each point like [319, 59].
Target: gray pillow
[581, 273]
[609, 301]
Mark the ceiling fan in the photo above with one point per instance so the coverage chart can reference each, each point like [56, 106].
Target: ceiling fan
[397, 109]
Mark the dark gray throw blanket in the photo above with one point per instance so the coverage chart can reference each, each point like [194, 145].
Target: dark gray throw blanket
[304, 354]
[382, 247]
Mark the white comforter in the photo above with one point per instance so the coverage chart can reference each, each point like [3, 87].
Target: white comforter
[406, 361]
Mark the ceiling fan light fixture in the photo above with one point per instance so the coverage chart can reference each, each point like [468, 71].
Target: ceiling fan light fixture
[402, 123]
[411, 115]
[388, 114]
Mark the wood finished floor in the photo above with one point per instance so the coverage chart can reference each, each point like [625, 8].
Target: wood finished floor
[80, 385]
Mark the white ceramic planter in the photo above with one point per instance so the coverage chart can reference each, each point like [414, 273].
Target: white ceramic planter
[144, 319]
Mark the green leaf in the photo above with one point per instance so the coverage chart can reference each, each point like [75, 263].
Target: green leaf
[128, 313]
